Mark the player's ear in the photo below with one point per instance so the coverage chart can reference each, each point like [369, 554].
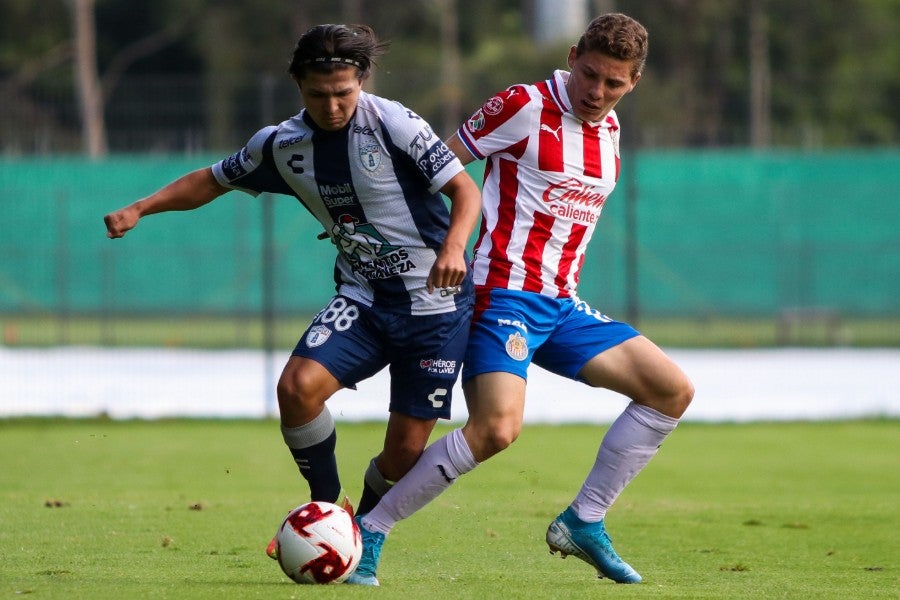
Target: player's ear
[573, 54]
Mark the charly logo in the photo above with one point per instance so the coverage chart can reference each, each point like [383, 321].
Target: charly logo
[370, 157]
[517, 346]
[317, 336]
[437, 397]
[295, 164]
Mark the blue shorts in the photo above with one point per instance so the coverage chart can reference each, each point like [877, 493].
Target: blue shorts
[512, 329]
[424, 352]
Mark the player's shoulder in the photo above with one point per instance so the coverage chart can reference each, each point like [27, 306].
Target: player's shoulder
[398, 122]
[380, 107]
[516, 96]
[263, 134]
[289, 129]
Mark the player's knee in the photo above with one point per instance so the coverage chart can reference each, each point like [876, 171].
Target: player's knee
[495, 438]
[298, 387]
[679, 397]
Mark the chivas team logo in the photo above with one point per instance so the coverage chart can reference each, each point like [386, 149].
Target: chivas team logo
[517, 346]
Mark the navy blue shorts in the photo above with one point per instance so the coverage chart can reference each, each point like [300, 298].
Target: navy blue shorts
[512, 329]
[424, 352]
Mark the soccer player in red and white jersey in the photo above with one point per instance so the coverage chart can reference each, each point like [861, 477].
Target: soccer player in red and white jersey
[552, 161]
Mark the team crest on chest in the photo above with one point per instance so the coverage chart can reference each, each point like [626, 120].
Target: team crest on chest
[370, 157]
[517, 346]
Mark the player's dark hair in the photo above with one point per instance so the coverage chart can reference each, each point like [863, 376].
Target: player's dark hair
[618, 36]
[325, 48]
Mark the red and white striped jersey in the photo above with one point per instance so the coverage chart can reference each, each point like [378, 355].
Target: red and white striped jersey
[546, 180]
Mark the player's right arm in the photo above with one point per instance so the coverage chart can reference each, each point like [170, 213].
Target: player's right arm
[185, 193]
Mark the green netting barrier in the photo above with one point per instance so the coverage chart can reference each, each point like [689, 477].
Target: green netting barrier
[714, 233]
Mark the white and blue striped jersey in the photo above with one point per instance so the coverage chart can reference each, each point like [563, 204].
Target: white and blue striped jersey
[373, 186]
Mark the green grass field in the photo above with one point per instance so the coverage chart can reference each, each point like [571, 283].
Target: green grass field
[184, 509]
[248, 331]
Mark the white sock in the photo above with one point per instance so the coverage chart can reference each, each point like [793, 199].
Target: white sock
[438, 467]
[632, 440]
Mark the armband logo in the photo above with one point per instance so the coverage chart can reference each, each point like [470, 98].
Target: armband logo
[233, 166]
[475, 122]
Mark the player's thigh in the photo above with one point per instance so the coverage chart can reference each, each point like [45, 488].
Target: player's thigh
[640, 370]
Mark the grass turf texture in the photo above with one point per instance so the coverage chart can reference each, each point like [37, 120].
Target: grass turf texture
[184, 509]
[248, 331]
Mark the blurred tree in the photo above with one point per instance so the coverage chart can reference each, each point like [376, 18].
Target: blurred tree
[806, 73]
[87, 80]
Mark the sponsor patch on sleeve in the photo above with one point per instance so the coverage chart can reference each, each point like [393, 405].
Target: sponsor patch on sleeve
[233, 166]
[434, 159]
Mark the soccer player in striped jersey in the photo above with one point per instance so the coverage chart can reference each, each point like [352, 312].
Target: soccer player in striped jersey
[371, 171]
[552, 157]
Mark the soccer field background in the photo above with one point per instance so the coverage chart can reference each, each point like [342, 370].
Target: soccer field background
[98, 508]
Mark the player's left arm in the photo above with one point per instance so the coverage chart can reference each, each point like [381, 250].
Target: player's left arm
[450, 267]
[188, 192]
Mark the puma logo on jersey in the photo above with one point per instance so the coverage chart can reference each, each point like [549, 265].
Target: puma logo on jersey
[556, 132]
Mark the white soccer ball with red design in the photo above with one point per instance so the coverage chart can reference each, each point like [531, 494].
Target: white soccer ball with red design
[319, 542]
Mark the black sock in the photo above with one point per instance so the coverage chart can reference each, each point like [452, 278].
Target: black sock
[318, 465]
[312, 446]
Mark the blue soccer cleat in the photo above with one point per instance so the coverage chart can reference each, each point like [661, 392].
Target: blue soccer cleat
[368, 564]
[569, 535]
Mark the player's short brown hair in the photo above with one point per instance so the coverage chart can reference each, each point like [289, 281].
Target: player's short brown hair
[618, 36]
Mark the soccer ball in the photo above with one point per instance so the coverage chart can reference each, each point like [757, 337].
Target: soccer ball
[318, 542]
